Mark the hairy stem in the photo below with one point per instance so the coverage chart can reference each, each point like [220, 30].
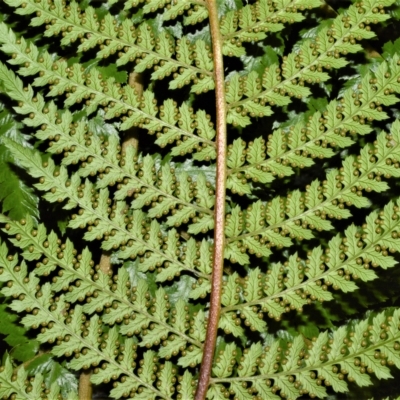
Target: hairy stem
[131, 137]
[105, 262]
[219, 216]
[85, 386]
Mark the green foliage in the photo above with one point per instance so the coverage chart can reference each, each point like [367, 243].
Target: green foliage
[312, 211]
[23, 349]
[17, 198]
[15, 385]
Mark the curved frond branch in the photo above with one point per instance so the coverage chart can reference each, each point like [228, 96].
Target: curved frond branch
[219, 217]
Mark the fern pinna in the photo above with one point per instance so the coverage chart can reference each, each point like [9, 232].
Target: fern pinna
[229, 253]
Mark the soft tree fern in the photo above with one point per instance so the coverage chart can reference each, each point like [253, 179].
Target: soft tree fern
[199, 199]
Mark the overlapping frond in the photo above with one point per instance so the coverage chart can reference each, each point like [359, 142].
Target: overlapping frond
[15, 384]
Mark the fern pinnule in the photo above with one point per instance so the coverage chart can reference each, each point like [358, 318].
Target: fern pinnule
[13, 380]
[196, 10]
[254, 22]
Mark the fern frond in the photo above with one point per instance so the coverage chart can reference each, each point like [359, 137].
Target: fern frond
[298, 282]
[297, 146]
[143, 327]
[160, 187]
[83, 282]
[141, 112]
[135, 176]
[191, 61]
[296, 216]
[72, 332]
[300, 367]
[14, 384]
[253, 22]
[305, 64]
[136, 236]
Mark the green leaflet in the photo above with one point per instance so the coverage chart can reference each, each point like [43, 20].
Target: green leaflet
[17, 387]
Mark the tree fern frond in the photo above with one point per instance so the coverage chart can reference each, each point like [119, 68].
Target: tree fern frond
[161, 188]
[252, 22]
[78, 276]
[300, 213]
[129, 232]
[297, 282]
[175, 302]
[308, 368]
[130, 43]
[305, 64]
[15, 385]
[296, 147]
[63, 326]
[140, 112]
[73, 332]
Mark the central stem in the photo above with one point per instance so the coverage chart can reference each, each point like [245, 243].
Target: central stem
[219, 217]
